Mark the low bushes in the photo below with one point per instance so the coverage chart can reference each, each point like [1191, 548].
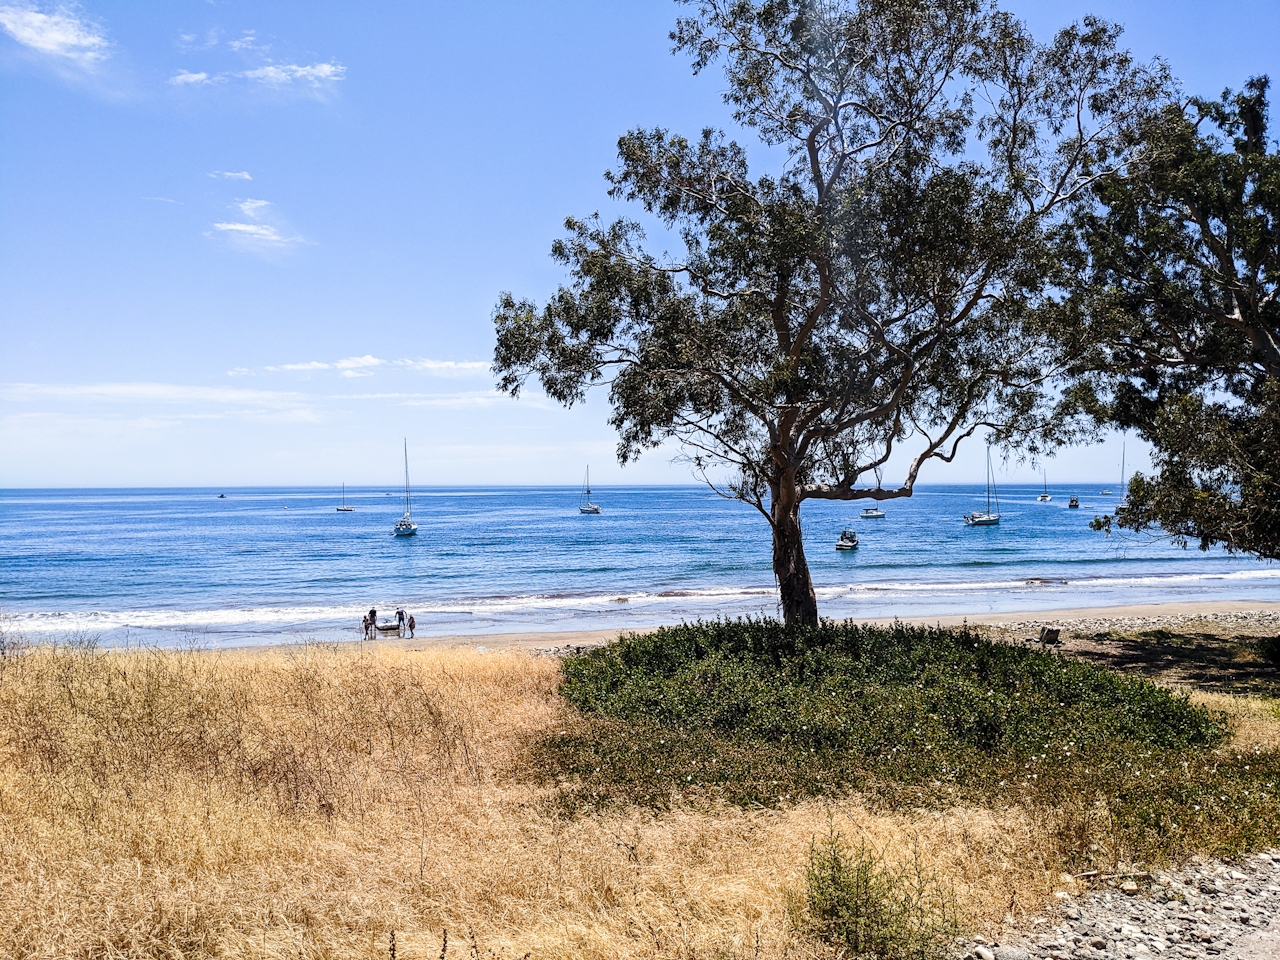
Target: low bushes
[751, 712]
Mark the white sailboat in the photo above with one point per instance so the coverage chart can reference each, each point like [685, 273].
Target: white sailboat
[344, 508]
[1046, 496]
[875, 511]
[988, 518]
[405, 527]
[584, 500]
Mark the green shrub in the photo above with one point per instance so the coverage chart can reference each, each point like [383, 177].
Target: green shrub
[753, 713]
[853, 901]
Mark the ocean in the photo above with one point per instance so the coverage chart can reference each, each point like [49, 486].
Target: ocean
[264, 565]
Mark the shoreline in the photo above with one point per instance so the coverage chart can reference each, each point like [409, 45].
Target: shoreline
[1130, 616]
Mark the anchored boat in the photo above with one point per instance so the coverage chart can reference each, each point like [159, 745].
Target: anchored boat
[584, 501]
[405, 527]
[987, 518]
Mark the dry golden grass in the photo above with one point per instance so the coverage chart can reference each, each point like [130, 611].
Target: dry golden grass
[1255, 721]
[305, 802]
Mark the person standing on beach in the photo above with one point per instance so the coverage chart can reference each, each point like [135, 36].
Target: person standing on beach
[411, 626]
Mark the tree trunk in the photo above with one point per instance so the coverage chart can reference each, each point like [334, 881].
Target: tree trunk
[799, 605]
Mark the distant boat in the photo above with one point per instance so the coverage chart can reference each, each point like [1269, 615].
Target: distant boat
[222, 496]
[1046, 496]
[1073, 503]
[872, 513]
[344, 508]
[848, 540]
[988, 518]
[584, 501]
[405, 527]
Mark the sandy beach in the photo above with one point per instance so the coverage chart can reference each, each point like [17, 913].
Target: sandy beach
[1218, 618]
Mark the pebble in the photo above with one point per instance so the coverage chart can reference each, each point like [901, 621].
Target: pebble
[1205, 911]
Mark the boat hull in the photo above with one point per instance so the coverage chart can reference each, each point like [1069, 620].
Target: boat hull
[591, 508]
[981, 519]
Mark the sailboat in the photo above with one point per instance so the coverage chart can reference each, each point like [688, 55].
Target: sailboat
[344, 508]
[875, 511]
[987, 519]
[1046, 496]
[405, 527]
[584, 501]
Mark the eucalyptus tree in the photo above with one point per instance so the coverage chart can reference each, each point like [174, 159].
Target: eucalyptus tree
[873, 294]
[1180, 288]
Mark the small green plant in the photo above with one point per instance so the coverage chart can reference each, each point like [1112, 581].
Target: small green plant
[853, 901]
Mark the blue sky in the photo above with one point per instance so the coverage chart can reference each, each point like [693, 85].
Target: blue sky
[261, 243]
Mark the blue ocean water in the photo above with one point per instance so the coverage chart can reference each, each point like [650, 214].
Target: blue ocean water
[273, 564]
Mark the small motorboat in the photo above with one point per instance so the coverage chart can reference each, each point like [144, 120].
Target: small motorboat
[848, 540]
[1073, 503]
[389, 626]
[872, 513]
[1104, 493]
[222, 496]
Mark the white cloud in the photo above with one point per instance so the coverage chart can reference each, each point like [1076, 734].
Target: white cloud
[350, 367]
[231, 175]
[279, 75]
[248, 41]
[186, 78]
[447, 368]
[261, 234]
[59, 34]
[164, 200]
[253, 208]
[352, 363]
[144, 392]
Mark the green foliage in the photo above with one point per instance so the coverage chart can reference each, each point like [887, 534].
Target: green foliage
[855, 902]
[1176, 296]
[754, 712]
[869, 295]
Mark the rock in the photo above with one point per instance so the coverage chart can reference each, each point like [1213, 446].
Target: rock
[983, 953]
[1012, 953]
[1097, 943]
[1129, 887]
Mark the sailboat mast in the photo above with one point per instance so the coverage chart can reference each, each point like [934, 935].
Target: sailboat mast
[988, 480]
[406, 476]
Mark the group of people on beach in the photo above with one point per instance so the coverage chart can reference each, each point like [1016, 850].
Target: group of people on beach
[404, 621]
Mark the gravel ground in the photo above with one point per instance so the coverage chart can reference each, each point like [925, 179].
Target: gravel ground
[1207, 910]
[1245, 621]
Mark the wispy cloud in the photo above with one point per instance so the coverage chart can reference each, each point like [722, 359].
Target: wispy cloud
[364, 366]
[258, 235]
[253, 208]
[231, 175]
[147, 392]
[467, 398]
[60, 34]
[186, 78]
[284, 74]
[164, 200]
[248, 41]
[262, 234]
[349, 367]
[465, 368]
